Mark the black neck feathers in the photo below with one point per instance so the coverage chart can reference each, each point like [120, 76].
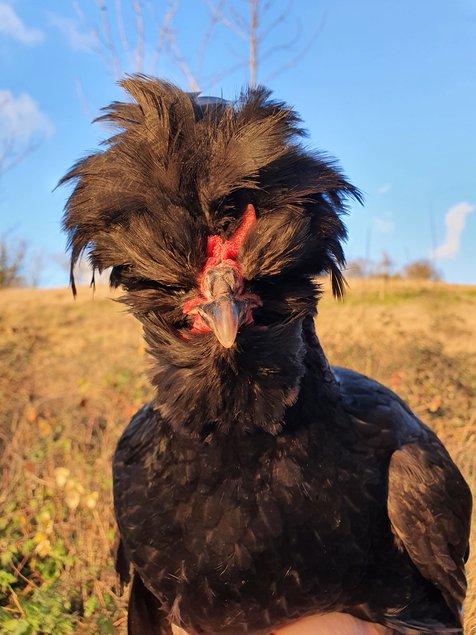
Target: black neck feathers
[256, 386]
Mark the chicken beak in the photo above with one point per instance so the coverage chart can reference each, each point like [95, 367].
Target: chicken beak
[223, 316]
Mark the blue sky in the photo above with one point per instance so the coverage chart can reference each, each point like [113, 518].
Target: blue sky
[386, 86]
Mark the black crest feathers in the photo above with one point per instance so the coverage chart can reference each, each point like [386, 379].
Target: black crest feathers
[180, 167]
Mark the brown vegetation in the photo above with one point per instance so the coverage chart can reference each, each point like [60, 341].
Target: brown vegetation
[74, 372]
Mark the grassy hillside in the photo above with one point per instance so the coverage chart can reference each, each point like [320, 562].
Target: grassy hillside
[74, 372]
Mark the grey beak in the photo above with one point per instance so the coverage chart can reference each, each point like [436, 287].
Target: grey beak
[223, 316]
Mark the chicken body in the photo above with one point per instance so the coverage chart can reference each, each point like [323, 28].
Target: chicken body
[259, 487]
[249, 533]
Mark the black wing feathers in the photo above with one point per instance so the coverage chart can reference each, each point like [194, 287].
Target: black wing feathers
[429, 505]
[123, 565]
[144, 613]
[429, 502]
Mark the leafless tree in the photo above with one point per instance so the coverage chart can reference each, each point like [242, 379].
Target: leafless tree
[19, 265]
[12, 153]
[384, 267]
[13, 150]
[357, 268]
[421, 270]
[16, 268]
[134, 35]
[12, 262]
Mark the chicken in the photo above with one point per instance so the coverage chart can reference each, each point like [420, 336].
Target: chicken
[260, 489]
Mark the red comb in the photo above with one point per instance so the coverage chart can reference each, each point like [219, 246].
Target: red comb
[219, 251]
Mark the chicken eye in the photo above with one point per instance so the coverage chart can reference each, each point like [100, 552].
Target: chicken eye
[124, 275]
[140, 284]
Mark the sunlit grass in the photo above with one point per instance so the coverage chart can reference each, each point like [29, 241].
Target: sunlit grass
[73, 372]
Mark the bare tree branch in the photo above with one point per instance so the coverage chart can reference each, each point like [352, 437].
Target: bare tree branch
[11, 157]
[253, 40]
[216, 11]
[139, 52]
[213, 79]
[304, 50]
[283, 46]
[239, 25]
[12, 262]
[277, 21]
[175, 54]
[122, 29]
[99, 48]
[83, 101]
[107, 38]
[12, 150]
[254, 26]
[161, 30]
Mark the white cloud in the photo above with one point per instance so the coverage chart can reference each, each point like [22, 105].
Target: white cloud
[78, 41]
[384, 188]
[21, 120]
[384, 224]
[12, 26]
[455, 220]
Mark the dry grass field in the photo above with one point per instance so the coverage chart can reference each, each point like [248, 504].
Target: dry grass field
[72, 374]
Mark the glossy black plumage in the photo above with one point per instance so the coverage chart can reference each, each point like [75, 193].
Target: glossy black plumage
[260, 485]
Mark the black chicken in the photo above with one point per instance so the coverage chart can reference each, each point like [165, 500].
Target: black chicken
[260, 486]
